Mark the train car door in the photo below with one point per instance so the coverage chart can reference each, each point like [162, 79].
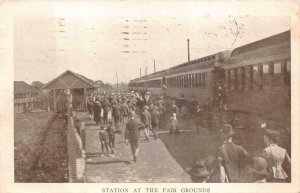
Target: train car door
[218, 86]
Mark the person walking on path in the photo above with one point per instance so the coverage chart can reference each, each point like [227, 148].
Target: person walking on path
[146, 120]
[231, 157]
[104, 140]
[111, 136]
[90, 104]
[155, 115]
[97, 112]
[125, 111]
[174, 124]
[275, 156]
[116, 114]
[132, 134]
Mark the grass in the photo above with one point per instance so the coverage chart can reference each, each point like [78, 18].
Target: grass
[28, 131]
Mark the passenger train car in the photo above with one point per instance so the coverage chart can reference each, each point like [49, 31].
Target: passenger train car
[256, 78]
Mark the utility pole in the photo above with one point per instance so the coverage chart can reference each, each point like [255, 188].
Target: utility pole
[188, 44]
[140, 72]
[146, 78]
[117, 82]
[154, 65]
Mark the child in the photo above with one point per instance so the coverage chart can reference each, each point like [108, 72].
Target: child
[104, 140]
[174, 125]
[111, 136]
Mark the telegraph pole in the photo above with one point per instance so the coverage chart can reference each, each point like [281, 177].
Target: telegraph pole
[154, 65]
[146, 78]
[117, 82]
[188, 45]
[140, 72]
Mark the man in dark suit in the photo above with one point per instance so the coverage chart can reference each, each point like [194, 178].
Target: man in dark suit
[132, 134]
[231, 157]
[146, 120]
[155, 115]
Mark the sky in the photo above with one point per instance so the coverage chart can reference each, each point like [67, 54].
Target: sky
[101, 44]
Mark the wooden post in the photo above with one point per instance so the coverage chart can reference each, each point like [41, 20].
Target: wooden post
[85, 97]
[54, 100]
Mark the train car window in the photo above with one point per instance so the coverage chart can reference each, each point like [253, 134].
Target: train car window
[195, 80]
[202, 80]
[213, 57]
[199, 80]
[189, 81]
[248, 77]
[287, 70]
[232, 79]
[186, 81]
[277, 67]
[288, 66]
[265, 75]
[172, 82]
[227, 78]
[236, 79]
[239, 78]
[256, 77]
[180, 81]
[192, 82]
[244, 77]
[277, 75]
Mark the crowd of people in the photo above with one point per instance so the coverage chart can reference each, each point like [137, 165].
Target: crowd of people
[140, 111]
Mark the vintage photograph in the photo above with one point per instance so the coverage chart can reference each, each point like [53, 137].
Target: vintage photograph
[112, 97]
[152, 100]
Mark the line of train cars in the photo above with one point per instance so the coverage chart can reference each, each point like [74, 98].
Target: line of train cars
[256, 78]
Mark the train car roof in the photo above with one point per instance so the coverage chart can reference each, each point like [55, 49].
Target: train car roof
[266, 42]
[273, 53]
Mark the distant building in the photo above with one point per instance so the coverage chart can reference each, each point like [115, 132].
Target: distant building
[71, 84]
[24, 96]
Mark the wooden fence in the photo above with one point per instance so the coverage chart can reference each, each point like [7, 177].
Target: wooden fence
[30, 104]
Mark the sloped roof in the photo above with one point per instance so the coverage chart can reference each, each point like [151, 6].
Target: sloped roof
[263, 43]
[69, 80]
[22, 87]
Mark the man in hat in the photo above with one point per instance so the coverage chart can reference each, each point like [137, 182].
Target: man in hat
[155, 115]
[116, 111]
[132, 134]
[199, 173]
[259, 170]
[231, 157]
[97, 112]
[146, 120]
[275, 156]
